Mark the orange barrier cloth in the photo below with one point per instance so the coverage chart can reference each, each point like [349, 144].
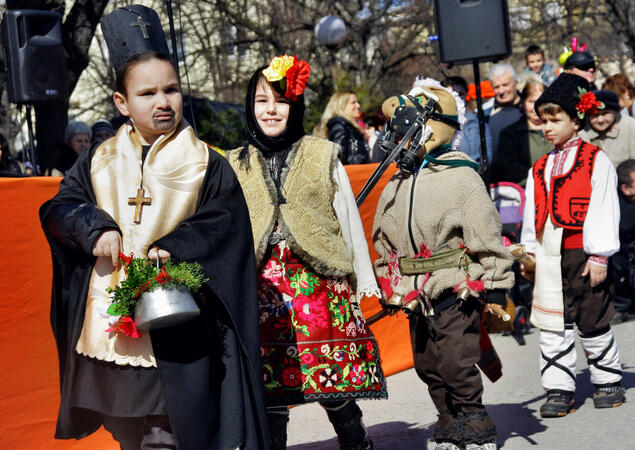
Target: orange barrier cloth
[392, 333]
[29, 397]
[29, 377]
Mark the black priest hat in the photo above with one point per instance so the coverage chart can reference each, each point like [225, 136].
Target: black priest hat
[133, 30]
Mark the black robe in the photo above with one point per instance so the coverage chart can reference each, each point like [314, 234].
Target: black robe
[210, 368]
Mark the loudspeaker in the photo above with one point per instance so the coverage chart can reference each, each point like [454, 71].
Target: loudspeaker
[472, 29]
[34, 56]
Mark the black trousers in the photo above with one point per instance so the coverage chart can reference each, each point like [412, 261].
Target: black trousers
[591, 309]
[445, 350]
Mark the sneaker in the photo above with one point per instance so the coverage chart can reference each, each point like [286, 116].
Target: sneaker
[559, 404]
[609, 397]
[446, 446]
[621, 317]
[486, 446]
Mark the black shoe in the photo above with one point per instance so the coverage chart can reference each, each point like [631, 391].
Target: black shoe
[559, 404]
[621, 317]
[609, 397]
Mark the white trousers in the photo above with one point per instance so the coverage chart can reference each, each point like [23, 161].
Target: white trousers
[558, 358]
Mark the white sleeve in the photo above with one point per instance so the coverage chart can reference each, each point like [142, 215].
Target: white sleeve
[600, 234]
[528, 233]
[353, 233]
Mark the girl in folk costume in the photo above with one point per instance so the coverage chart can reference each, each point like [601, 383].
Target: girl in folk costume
[312, 259]
[571, 225]
[438, 236]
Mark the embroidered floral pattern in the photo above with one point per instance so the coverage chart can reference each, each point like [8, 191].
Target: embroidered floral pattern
[314, 342]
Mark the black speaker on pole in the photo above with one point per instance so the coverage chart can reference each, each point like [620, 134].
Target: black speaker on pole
[34, 56]
[471, 30]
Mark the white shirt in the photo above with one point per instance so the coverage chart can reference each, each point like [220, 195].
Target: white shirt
[353, 233]
[600, 233]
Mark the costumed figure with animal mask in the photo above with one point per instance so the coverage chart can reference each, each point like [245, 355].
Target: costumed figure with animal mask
[438, 236]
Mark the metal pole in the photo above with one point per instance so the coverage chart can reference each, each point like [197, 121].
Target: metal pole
[175, 52]
[481, 125]
[31, 151]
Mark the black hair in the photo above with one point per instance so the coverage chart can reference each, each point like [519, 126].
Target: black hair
[624, 170]
[534, 49]
[121, 76]
[551, 109]
[455, 81]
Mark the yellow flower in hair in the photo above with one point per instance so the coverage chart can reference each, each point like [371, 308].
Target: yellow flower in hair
[278, 67]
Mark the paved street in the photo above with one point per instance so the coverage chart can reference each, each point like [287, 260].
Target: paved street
[406, 420]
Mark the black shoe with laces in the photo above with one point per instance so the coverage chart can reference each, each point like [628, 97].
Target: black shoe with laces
[559, 403]
[608, 396]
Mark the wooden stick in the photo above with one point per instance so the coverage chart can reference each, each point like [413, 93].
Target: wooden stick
[499, 311]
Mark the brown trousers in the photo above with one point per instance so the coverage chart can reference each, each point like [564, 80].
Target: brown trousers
[446, 350]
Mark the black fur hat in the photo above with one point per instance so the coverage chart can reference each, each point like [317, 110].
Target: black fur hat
[564, 92]
[133, 30]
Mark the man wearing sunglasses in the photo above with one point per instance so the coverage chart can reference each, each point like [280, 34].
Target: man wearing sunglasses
[582, 64]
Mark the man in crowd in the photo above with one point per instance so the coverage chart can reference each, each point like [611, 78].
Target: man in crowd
[582, 63]
[506, 109]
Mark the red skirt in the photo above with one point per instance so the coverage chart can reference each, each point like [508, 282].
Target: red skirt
[314, 341]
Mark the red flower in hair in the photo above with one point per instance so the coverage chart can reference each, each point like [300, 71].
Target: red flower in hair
[297, 76]
[588, 104]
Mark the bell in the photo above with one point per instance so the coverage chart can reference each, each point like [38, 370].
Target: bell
[162, 308]
[410, 307]
[394, 301]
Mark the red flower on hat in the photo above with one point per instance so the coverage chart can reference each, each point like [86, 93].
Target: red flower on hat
[588, 104]
[297, 76]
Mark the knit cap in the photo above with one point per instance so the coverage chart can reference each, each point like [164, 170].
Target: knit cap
[609, 98]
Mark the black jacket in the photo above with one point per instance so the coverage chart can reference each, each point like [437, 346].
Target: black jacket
[354, 150]
[512, 158]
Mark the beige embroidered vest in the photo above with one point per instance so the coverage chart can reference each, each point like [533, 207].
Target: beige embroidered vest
[173, 173]
[306, 217]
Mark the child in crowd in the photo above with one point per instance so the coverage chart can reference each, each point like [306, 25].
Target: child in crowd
[536, 62]
[571, 225]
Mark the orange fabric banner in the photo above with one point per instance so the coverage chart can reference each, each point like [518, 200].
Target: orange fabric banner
[29, 397]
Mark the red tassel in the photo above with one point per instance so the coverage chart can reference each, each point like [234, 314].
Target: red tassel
[386, 286]
[476, 285]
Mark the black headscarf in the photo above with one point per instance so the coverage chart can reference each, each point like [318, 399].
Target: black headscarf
[294, 130]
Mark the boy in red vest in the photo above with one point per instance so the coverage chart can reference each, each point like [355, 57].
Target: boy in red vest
[570, 224]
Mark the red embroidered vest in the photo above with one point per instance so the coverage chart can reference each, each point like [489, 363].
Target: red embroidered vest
[569, 193]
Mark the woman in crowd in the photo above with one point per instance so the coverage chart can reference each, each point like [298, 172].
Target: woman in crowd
[77, 137]
[340, 123]
[610, 129]
[312, 258]
[622, 86]
[522, 143]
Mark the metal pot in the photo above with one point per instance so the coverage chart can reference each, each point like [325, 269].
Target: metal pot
[162, 308]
